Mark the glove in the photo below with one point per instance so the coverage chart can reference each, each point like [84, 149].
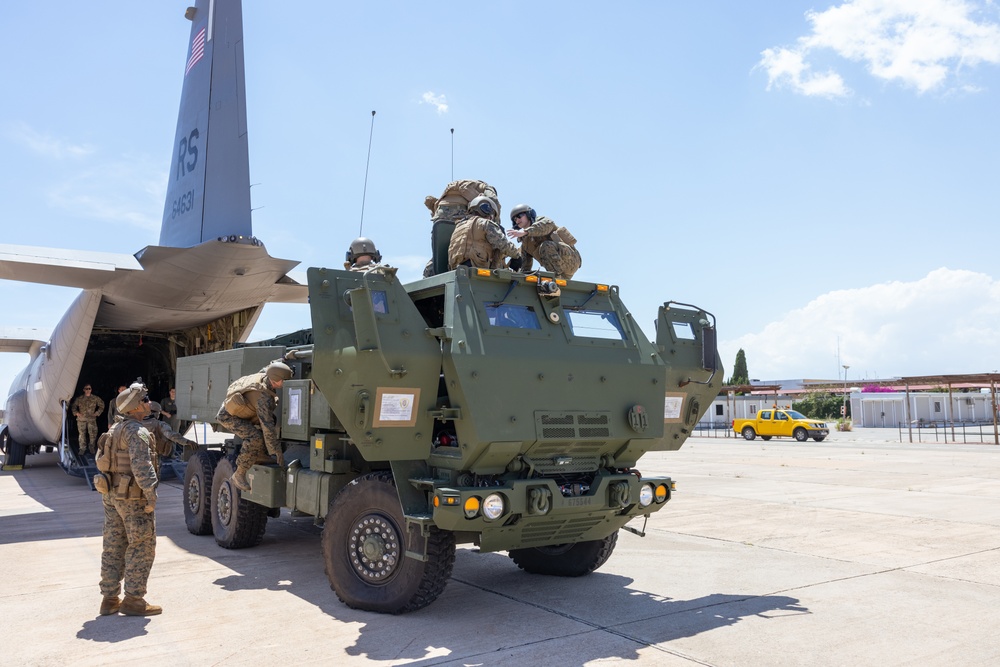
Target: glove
[515, 264]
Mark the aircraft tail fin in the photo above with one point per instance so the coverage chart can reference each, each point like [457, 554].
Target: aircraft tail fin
[208, 194]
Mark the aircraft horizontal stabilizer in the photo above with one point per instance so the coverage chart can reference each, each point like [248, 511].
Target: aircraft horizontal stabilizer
[58, 266]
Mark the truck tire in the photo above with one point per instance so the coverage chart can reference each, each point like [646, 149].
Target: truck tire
[236, 523]
[765, 438]
[197, 497]
[364, 551]
[800, 434]
[820, 438]
[748, 433]
[565, 560]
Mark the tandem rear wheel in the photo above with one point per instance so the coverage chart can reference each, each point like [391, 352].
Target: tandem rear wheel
[364, 551]
[198, 491]
[236, 523]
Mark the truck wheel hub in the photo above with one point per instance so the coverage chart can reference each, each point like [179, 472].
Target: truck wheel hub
[374, 548]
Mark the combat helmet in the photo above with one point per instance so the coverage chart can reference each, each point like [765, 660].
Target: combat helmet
[363, 246]
[155, 409]
[518, 210]
[485, 207]
[131, 398]
[277, 371]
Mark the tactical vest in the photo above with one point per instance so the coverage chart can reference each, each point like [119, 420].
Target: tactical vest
[243, 395]
[468, 242]
[115, 465]
[460, 193]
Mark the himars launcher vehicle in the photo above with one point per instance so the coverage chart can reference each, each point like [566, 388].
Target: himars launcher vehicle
[484, 407]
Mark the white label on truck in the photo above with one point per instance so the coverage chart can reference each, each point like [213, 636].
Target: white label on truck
[396, 407]
[672, 407]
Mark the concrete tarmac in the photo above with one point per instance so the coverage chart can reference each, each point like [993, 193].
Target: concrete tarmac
[856, 551]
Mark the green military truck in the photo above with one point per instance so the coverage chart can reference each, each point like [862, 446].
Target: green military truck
[481, 407]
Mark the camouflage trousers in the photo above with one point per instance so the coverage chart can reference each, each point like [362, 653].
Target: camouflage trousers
[561, 259]
[129, 546]
[253, 447]
[87, 428]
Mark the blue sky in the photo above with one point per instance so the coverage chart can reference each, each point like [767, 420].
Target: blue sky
[821, 177]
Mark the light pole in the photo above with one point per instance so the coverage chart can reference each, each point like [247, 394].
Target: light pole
[843, 410]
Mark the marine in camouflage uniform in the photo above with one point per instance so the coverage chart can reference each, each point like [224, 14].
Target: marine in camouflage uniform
[113, 408]
[169, 406]
[248, 412]
[87, 408]
[478, 240]
[129, 519]
[541, 239]
[164, 437]
[453, 205]
[362, 255]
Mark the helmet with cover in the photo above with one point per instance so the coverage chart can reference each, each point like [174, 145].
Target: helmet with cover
[485, 207]
[518, 210]
[131, 398]
[363, 246]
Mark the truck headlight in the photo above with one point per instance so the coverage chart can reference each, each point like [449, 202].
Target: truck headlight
[493, 506]
[645, 495]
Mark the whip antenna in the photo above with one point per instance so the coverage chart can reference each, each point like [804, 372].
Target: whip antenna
[453, 154]
[367, 163]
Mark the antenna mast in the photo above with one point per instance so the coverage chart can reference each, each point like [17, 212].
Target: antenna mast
[453, 154]
[364, 192]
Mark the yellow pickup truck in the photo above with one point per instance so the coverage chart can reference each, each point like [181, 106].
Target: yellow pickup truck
[777, 423]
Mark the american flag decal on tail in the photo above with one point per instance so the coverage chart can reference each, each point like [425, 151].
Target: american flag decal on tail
[197, 50]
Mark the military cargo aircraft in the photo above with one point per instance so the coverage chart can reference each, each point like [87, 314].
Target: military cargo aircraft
[201, 289]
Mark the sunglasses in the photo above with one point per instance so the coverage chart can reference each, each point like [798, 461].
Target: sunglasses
[86, 388]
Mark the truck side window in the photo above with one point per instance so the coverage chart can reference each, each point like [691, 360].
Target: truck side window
[781, 416]
[595, 324]
[765, 414]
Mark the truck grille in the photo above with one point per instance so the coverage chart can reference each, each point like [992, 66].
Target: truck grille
[572, 425]
[557, 531]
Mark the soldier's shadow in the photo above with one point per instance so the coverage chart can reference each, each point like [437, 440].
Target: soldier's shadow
[116, 628]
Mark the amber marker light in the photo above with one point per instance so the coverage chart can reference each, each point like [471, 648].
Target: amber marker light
[483, 272]
[561, 282]
[471, 507]
[531, 279]
[602, 288]
[661, 492]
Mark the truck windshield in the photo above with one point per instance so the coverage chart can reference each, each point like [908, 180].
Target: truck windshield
[595, 324]
[795, 414]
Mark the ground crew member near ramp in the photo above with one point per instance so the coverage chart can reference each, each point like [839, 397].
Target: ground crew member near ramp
[248, 412]
[113, 407]
[478, 239]
[127, 482]
[87, 408]
[553, 247]
[362, 255]
[169, 405]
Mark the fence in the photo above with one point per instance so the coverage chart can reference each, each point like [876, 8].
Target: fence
[940, 431]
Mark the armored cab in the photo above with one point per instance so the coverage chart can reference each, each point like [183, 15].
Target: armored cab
[483, 407]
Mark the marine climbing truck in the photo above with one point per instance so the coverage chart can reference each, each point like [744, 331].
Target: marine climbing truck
[483, 407]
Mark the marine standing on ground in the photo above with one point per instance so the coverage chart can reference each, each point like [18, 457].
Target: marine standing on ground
[478, 240]
[248, 412]
[87, 408]
[129, 504]
[169, 409]
[554, 247]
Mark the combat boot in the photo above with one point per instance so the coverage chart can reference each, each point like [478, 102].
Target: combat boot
[136, 606]
[110, 605]
[239, 480]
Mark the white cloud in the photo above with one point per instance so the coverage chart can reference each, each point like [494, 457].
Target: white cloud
[918, 43]
[45, 145]
[946, 322]
[130, 191]
[437, 101]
